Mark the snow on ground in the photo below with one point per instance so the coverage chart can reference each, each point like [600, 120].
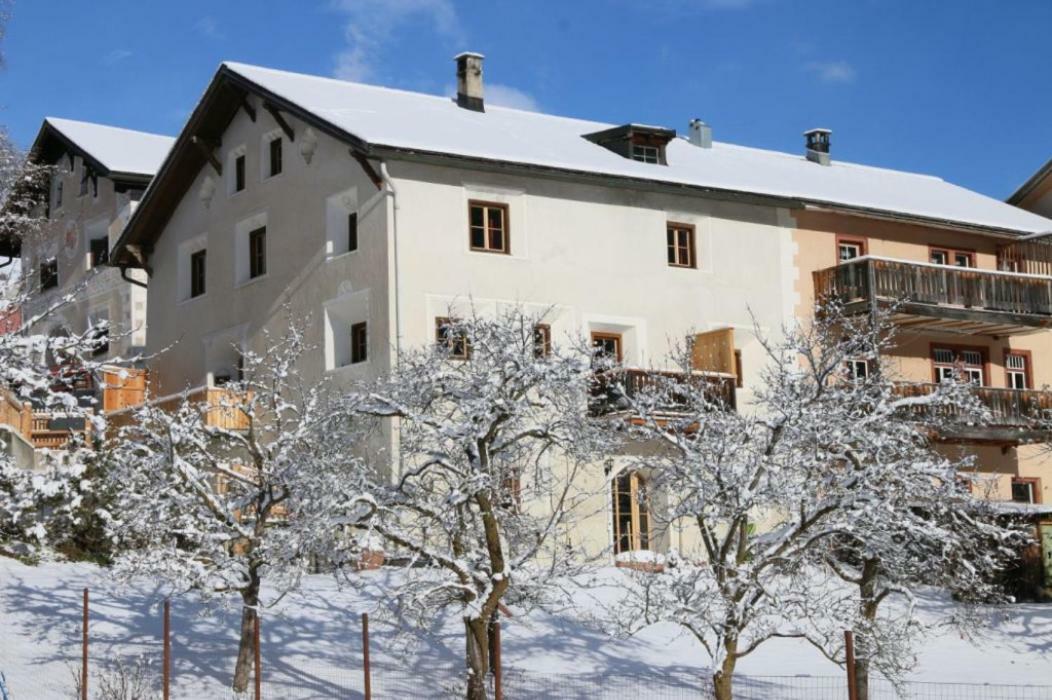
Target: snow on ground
[311, 645]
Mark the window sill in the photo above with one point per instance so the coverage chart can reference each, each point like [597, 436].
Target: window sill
[338, 256]
[487, 251]
[187, 300]
[346, 369]
[251, 281]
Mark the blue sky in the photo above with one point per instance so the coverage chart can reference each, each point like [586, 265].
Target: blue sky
[957, 89]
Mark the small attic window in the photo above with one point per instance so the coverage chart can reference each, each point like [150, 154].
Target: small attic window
[645, 144]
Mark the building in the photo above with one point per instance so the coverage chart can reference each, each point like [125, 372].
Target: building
[98, 176]
[373, 212]
[100, 173]
[1036, 193]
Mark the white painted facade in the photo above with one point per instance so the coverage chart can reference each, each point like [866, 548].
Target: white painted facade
[75, 219]
[593, 256]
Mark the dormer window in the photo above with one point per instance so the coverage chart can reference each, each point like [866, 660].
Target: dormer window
[645, 144]
[646, 154]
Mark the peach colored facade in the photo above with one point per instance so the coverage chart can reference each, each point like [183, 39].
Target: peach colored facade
[817, 235]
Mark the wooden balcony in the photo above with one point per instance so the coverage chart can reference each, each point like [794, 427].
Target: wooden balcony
[1016, 415]
[941, 298]
[43, 429]
[613, 388]
[218, 404]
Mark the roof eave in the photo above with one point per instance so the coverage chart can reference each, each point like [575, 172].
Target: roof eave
[1033, 181]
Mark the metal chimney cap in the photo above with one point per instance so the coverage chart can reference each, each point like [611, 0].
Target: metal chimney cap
[468, 54]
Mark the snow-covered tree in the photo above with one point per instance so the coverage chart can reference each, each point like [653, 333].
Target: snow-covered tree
[494, 431]
[819, 456]
[218, 496]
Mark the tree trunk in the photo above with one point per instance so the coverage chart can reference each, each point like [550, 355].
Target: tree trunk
[723, 679]
[868, 601]
[245, 650]
[478, 657]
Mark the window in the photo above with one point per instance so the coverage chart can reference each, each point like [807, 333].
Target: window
[680, 239]
[275, 156]
[99, 335]
[49, 274]
[856, 369]
[352, 231]
[1017, 370]
[646, 154]
[542, 340]
[451, 337]
[968, 363]
[1026, 489]
[849, 249]
[84, 174]
[239, 173]
[359, 343]
[58, 193]
[488, 226]
[631, 514]
[100, 251]
[948, 256]
[198, 262]
[257, 252]
[607, 346]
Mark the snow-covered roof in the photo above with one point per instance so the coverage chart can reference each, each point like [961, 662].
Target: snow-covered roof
[118, 150]
[408, 120]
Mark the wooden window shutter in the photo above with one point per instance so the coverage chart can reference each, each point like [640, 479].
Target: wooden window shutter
[713, 351]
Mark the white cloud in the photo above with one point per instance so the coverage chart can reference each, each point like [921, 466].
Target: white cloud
[208, 27]
[371, 24]
[116, 56]
[832, 71]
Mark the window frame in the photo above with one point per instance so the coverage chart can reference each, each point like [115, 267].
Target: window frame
[280, 160]
[359, 342]
[444, 338]
[951, 253]
[257, 259]
[674, 228]
[860, 242]
[486, 231]
[618, 339]
[352, 231]
[240, 173]
[94, 259]
[643, 151]
[1027, 371]
[984, 365]
[640, 535]
[202, 255]
[1035, 488]
[48, 280]
[542, 340]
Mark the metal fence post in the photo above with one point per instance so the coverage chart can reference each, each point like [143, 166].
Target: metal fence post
[84, 651]
[259, 660]
[498, 690]
[849, 653]
[167, 661]
[365, 657]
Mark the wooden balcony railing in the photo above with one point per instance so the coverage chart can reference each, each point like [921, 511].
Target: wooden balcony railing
[925, 288]
[43, 429]
[1009, 408]
[612, 388]
[220, 410]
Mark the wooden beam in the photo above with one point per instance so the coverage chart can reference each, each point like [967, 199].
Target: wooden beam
[249, 109]
[208, 149]
[368, 168]
[280, 120]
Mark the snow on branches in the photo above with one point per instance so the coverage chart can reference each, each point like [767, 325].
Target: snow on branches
[830, 464]
[233, 486]
[493, 431]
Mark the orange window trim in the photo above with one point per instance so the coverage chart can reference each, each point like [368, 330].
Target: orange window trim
[505, 231]
[1028, 365]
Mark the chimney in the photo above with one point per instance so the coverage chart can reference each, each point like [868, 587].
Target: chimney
[469, 80]
[818, 145]
[700, 134]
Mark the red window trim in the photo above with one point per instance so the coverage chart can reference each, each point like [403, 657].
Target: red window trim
[1036, 481]
[987, 374]
[1028, 356]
